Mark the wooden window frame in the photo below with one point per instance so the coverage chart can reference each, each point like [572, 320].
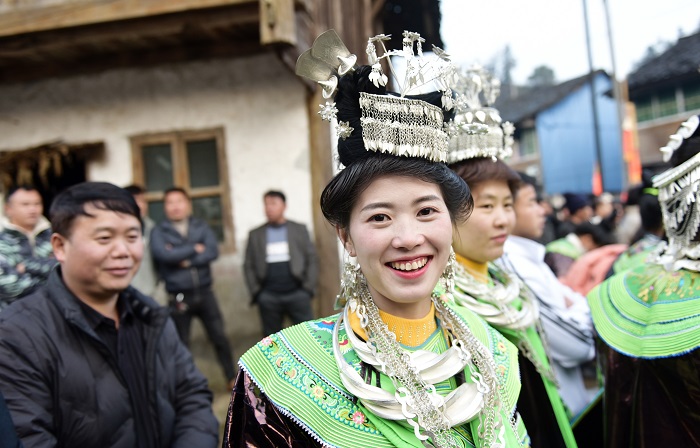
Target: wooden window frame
[178, 152]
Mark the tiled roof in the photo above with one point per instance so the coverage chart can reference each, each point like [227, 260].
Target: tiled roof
[680, 61]
[536, 99]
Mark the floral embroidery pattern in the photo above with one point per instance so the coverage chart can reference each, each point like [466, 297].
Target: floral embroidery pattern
[317, 389]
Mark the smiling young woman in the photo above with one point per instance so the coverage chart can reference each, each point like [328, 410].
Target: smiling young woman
[398, 365]
[484, 288]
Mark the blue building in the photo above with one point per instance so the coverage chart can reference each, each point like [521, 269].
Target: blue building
[555, 135]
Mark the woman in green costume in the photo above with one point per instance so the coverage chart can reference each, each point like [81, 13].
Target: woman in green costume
[398, 366]
[649, 319]
[479, 140]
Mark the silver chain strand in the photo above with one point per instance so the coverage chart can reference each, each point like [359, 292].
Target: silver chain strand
[419, 398]
[470, 286]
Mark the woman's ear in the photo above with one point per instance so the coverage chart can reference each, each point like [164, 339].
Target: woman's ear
[344, 237]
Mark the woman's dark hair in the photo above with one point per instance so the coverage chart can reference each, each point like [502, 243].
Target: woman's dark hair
[342, 192]
[70, 204]
[362, 167]
[688, 149]
[482, 169]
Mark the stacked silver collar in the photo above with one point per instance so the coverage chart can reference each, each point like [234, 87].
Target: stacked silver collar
[416, 400]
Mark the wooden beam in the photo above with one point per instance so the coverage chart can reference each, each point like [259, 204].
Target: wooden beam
[137, 29]
[277, 22]
[324, 234]
[127, 59]
[72, 14]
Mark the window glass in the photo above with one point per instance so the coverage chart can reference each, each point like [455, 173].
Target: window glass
[692, 97]
[203, 163]
[156, 211]
[644, 109]
[667, 103]
[158, 167]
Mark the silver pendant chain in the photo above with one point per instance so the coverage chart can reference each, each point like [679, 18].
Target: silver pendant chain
[495, 304]
[424, 407]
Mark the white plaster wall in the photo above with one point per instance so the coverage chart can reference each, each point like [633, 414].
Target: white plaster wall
[260, 104]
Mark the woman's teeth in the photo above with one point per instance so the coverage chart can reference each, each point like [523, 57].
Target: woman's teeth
[411, 265]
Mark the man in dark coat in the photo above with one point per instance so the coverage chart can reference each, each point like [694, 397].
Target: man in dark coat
[183, 248]
[88, 360]
[281, 267]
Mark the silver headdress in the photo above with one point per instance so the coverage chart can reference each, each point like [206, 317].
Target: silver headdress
[679, 196]
[477, 130]
[390, 124]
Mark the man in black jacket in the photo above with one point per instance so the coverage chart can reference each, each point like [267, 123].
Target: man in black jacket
[184, 247]
[88, 360]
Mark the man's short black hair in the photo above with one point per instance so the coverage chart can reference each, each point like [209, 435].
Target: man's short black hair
[176, 190]
[135, 189]
[16, 188]
[276, 194]
[70, 204]
[526, 179]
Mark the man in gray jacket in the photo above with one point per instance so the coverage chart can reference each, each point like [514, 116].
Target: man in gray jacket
[281, 267]
[183, 248]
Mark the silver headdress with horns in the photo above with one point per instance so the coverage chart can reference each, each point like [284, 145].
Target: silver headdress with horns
[477, 130]
[679, 196]
[390, 124]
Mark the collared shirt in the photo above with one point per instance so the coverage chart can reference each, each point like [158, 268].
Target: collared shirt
[569, 330]
[127, 348]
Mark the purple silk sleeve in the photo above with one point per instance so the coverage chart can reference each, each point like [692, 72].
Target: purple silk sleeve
[254, 422]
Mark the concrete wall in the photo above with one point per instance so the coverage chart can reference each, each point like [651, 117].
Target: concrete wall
[259, 103]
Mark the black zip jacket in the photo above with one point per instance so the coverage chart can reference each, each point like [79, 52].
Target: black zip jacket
[63, 387]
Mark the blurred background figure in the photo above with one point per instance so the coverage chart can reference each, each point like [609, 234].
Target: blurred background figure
[578, 210]
[184, 247]
[281, 267]
[562, 253]
[26, 256]
[146, 279]
[650, 232]
[565, 316]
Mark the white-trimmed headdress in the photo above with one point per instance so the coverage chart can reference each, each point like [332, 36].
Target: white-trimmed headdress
[477, 129]
[679, 196]
[391, 124]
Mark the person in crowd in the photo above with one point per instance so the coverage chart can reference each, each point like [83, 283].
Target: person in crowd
[549, 233]
[334, 381]
[627, 228]
[603, 207]
[648, 319]
[183, 248]
[650, 232]
[578, 210]
[565, 315]
[146, 279]
[88, 360]
[26, 257]
[482, 286]
[281, 267]
[562, 253]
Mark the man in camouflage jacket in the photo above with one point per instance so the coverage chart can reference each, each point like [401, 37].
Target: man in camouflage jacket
[26, 257]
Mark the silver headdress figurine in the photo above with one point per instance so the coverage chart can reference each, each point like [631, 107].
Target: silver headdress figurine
[477, 129]
[679, 196]
[390, 124]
